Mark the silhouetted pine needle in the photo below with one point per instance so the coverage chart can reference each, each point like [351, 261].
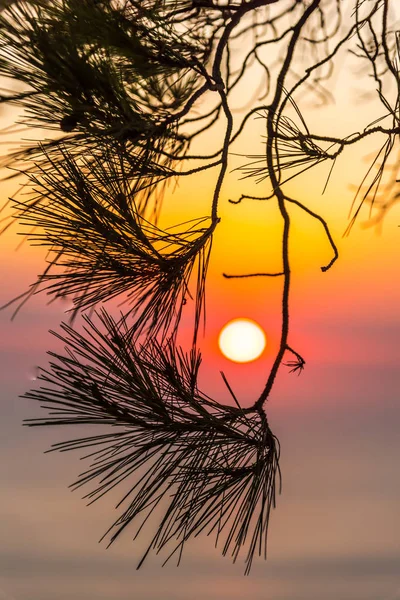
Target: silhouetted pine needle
[297, 365]
[210, 467]
[369, 187]
[293, 149]
[102, 248]
[98, 64]
[387, 196]
[102, 75]
[294, 366]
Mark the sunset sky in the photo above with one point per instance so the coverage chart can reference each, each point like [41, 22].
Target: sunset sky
[335, 534]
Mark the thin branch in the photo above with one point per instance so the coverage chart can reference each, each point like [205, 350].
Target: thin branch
[252, 275]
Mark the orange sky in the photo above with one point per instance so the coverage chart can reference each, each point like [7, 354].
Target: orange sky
[248, 240]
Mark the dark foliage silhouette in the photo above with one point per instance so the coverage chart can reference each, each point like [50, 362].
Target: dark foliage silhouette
[121, 91]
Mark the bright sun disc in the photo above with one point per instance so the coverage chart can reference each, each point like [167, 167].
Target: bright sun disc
[242, 340]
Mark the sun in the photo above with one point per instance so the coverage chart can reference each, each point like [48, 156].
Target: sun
[242, 340]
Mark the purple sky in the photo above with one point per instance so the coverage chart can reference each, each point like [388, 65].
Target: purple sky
[334, 535]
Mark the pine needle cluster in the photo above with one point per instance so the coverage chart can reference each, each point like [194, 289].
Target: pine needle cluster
[100, 71]
[102, 248]
[209, 466]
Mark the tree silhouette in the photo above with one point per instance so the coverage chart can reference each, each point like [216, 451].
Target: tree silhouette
[122, 90]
